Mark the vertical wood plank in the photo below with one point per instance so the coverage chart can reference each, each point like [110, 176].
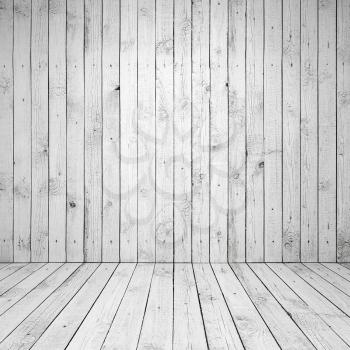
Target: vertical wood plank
[57, 130]
[255, 131]
[40, 131]
[273, 130]
[6, 131]
[200, 130]
[164, 131]
[218, 131]
[110, 78]
[146, 130]
[291, 130]
[343, 125]
[237, 151]
[128, 130]
[22, 130]
[75, 130]
[309, 132]
[182, 130]
[327, 130]
[93, 131]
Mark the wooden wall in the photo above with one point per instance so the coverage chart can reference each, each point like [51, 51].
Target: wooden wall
[163, 130]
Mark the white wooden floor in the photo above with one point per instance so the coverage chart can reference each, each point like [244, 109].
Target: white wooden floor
[181, 306]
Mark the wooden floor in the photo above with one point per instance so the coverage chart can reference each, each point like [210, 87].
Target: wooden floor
[181, 306]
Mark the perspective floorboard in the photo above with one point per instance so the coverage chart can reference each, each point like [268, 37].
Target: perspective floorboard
[174, 306]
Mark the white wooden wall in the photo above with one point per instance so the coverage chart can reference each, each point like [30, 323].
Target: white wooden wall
[175, 130]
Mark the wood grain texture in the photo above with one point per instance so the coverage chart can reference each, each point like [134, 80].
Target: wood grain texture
[255, 132]
[126, 326]
[57, 130]
[189, 332]
[93, 329]
[182, 131]
[146, 198]
[220, 328]
[273, 130]
[218, 131]
[237, 132]
[327, 124]
[174, 306]
[309, 132]
[310, 322]
[174, 131]
[164, 131]
[243, 311]
[93, 132]
[6, 131]
[343, 131]
[128, 131]
[157, 327]
[75, 130]
[291, 130]
[200, 130]
[111, 132]
[22, 125]
[40, 132]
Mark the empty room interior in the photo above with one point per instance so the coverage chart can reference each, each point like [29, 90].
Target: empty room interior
[174, 174]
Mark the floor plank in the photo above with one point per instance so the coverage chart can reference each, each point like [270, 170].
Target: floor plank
[175, 306]
[286, 332]
[339, 269]
[17, 313]
[188, 323]
[94, 328]
[19, 276]
[21, 289]
[2, 265]
[29, 331]
[157, 328]
[257, 335]
[335, 318]
[10, 269]
[126, 326]
[328, 290]
[220, 328]
[331, 276]
[59, 333]
[312, 325]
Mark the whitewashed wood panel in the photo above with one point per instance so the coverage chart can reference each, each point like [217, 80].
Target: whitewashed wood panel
[6, 131]
[93, 131]
[182, 130]
[22, 129]
[200, 130]
[218, 131]
[308, 131]
[237, 122]
[110, 152]
[343, 130]
[291, 130]
[57, 130]
[40, 131]
[164, 131]
[128, 130]
[146, 198]
[255, 131]
[327, 124]
[273, 130]
[75, 130]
